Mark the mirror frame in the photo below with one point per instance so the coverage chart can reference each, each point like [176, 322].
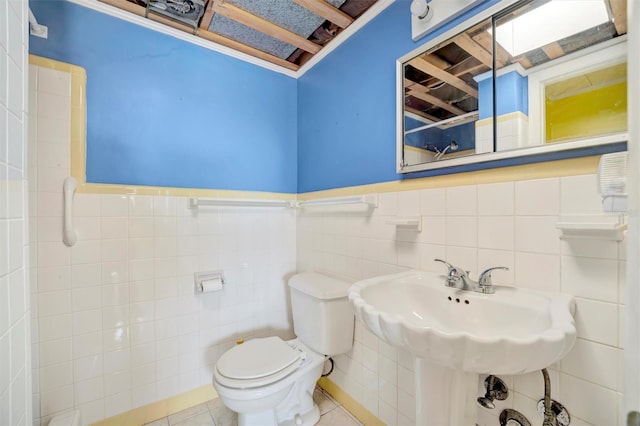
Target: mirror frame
[571, 145]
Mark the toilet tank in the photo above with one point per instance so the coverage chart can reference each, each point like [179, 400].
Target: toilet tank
[323, 318]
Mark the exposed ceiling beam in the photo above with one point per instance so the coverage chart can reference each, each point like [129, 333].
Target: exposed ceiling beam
[422, 114]
[553, 50]
[502, 56]
[469, 65]
[205, 22]
[619, 10]
[224, 41]
[436, 60]
[467, 44]
[327, 11]
[262, 25]
[208, 35]
[418, 91]
[429, 68]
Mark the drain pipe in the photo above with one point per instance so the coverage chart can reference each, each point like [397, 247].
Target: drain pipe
[549, 417]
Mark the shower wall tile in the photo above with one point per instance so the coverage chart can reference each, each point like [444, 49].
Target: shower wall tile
[510, 224]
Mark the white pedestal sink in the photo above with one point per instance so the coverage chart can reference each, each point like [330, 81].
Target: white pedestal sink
[456, 335]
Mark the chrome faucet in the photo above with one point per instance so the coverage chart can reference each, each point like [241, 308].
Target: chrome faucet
[459, 278]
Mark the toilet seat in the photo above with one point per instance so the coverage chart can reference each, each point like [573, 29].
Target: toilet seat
[257, 362]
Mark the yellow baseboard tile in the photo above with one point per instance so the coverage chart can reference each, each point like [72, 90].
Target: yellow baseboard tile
[157, 410]
[351, 405]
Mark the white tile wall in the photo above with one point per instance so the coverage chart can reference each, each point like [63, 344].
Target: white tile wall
[478, 226]
[15, 315]
[118, 324]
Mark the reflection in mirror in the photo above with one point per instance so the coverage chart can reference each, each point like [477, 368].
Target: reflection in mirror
[441, 97]
[560, 83]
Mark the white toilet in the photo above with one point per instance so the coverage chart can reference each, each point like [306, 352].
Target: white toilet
[269, 381]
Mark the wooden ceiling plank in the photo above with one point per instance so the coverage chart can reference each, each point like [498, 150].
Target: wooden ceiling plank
[422, 114]
[467, 44]
[262, 25]
[485, 40]
[241, 47]
[207, 35]
[469, 65]
[436, 102]
[503, 57]
[327, 11]
[619, 10]
[142, 11]
[436, 60]
[420, 92]
[553, 50]
[205, 22]
[429, 68]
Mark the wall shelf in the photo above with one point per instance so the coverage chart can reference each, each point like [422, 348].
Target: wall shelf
[592, 230]
[406, 222]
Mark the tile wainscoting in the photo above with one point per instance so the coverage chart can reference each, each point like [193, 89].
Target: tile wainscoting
[511, 224]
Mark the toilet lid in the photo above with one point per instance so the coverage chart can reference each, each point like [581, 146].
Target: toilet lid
[257, 358]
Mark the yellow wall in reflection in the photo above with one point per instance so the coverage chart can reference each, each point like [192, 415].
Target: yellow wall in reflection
[598, 112]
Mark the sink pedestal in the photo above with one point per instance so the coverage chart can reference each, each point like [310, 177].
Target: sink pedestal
[444, 396]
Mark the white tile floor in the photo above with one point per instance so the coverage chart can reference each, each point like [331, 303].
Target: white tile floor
[214, 413]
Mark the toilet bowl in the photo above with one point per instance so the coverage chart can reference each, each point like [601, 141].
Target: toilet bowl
[270, 381]
[276, 388]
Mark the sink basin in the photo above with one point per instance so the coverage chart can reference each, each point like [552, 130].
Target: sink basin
[512, 331]
[456, 335]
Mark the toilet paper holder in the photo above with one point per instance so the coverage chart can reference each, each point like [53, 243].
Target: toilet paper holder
[201, 278]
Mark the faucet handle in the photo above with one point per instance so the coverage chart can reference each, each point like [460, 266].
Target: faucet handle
[484, 281]
[447, 264]
[453, 275]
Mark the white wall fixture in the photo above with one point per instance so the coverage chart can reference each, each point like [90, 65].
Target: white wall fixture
[612, 181]
[69, 234]
[406, 222]
[209, 281]
[429, 15]
[369, 200]
[594, 228]
[37, 29]
[195, 203]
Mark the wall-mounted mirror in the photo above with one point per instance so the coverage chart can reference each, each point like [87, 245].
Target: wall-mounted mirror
[556, 68]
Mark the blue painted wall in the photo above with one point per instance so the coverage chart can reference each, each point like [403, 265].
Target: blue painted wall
[464, 134]
[512, 93]
[347, 104]
[165, 112]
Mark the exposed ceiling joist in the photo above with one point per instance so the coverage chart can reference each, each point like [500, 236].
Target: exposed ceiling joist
[503, 57]
[208, 35]
[327, 11]
[428, 68]
[553, 50]
[422, 114]
[240, 47]
[436, 60]
[467, 44]
[418, 91]
[264, 26]
[619, 10]
[467, 66]
[205, 23]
